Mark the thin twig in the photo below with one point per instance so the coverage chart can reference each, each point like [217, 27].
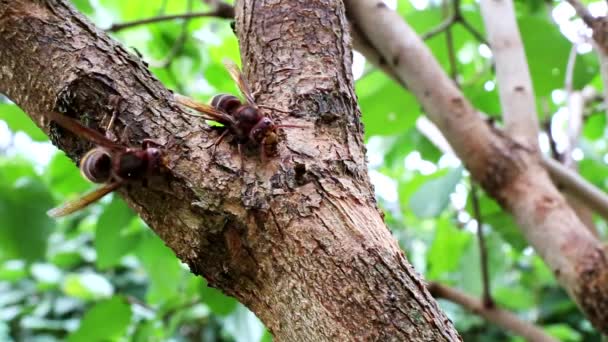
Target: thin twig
[178, 45]
[224, 11]
[498, 316]
[488, 302]
[439, 29]
[450, 45]
[549, 130]
[582, 12]
[595, 198]
[455, 18]
[476, 34]
[568, 83]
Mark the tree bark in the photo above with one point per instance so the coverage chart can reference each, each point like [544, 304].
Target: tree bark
[297, 239]
[509, 171]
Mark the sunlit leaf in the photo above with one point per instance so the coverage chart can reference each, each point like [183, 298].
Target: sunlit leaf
[23, 236]
[243, 325]
[87, 286]
[447, 248]
[218, 302]
[563, 332]
[162, 267]
[105, 321]
[18, 121]
[111, 239]
[385, 117]
[433, 196]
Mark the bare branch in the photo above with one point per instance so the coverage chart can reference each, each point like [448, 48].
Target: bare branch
[488, 302]
[362, 44]
[228, 223]
[440, 28]
[223, 11]
[578, 186]
[583, 12]
[455, 18]
[512, 75]
[507, 170]
[178, 45]
[500, 317]
[600, 41]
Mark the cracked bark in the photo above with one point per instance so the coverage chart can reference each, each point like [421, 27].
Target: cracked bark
[299, 239]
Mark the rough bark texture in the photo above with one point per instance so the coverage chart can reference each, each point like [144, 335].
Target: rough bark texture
[509, 171]
[299, 239]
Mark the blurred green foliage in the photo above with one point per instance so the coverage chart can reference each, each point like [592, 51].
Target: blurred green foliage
[102, 274]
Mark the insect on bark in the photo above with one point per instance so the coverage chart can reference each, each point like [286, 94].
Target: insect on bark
[109, 163]
[244, 120]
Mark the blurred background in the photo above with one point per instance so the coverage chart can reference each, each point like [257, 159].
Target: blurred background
[101, 274]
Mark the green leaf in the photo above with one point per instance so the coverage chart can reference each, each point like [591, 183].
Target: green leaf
[162, 266]
[243, 325]
[87, 286]
[514, 297]
[501, 221]
[433, 197]
[18, 121]
[219, 303]
[12, 270]
[46, 274]
[385, 117]
[447, 248]
[111, 239]
[23, 236]
[83, 6]
[563, 332]
[63, 176]
[594, 127]
[547, 51]
[105, 321]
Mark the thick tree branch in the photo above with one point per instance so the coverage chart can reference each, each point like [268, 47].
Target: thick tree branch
[500, 317]
[508, 171]
[297, 239]
[361, 44]
[513, 78]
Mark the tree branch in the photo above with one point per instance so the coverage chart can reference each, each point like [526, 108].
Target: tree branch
[455, 17]
[500, 317]
[178, 45]
[298, 238]
[583, 12]
[599, 26]
[362, 44]
[513, 78]
[508, 171]
[224, 11]
[487, 300]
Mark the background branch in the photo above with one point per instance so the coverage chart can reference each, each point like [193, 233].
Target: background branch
[510, 173]
[234, 225]
[224, 11]
[487, 300]
[514, 83]
[500, 317]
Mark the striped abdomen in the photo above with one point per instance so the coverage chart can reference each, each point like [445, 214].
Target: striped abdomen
[96, 165]
[226, 102]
